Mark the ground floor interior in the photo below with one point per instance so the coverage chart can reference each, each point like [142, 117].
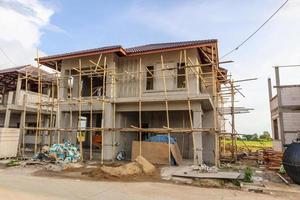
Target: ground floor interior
[112, 143]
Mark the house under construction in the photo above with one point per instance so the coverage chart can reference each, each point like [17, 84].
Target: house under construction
[111, 99]
[285, 111]
[19, 99]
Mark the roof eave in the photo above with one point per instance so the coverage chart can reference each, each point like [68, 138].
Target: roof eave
[44, 60]
[171, 49]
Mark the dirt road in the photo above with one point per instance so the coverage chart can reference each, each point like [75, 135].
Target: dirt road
[15, 186]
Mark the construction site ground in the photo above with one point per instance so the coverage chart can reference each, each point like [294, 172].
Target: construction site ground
[87, 181]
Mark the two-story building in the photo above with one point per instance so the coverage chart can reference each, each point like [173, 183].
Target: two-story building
[129, 94]
[285, 112]
[19, 101]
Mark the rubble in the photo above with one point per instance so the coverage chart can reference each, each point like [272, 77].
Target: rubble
[204, 168]
[60, 153]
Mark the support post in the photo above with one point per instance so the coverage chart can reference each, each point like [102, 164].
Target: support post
[280, 113]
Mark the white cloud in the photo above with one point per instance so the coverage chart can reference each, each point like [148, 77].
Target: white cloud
[21, 23]
[231, 21]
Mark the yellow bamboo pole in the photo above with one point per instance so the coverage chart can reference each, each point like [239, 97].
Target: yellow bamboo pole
[167, 107]
[79, 112]
[140, 104]
[103, 110]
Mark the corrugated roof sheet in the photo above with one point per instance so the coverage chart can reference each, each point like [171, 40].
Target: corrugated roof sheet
[131, 50]
[83, 51]
[12, 69]
[170, 45]
[22, 69]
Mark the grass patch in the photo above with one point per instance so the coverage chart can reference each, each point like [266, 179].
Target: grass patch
[252, 145]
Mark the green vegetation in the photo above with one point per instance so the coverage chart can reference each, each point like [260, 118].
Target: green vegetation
[248, 174]
[13, 163]
[265, 136]
[253, 142]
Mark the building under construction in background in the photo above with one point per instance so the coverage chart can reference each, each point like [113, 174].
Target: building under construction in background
[285, 111]
[113, 99]
[19, 99]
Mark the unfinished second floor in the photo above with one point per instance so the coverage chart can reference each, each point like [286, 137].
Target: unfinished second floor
[19, 87]
[156, 72]
[286, 98]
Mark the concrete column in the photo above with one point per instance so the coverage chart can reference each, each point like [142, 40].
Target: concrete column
[22, 131]
[108, 113]
[63, 85]
[18, 89]
[280, 114]
[270, 88]
[8, 111]
[46, 133]
[108, 136]
[197, 122]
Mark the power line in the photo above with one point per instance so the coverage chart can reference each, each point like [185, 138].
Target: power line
[248, 38]
[3, 52]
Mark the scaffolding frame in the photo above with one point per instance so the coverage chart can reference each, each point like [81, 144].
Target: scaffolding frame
[213, 78]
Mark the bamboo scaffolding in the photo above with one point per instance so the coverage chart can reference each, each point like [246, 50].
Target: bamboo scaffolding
[213, 79]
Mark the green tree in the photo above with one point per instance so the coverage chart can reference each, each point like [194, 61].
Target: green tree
[265, 136]
[254, 137]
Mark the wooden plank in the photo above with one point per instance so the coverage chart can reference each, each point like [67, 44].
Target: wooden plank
[176, 154]
[154, 152]
[217, 175]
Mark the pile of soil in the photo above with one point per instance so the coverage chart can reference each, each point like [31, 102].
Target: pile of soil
[139, 170]
[124, 170]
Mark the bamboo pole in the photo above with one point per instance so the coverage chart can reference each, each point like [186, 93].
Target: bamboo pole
[38, 106]
[91, 117]
[24, 113]
[167, 107]
[79, 112]
[189, 107]
[58, 106]
[103, 110]
[114, 110]
[140, 105]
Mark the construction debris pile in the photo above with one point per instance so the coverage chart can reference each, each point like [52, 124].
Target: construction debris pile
[272, 159]
[60, 153]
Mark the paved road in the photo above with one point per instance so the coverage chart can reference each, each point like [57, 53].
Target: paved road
[17, 186]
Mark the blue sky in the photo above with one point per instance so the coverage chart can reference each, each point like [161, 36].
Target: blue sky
[58, 26]
[98, 23]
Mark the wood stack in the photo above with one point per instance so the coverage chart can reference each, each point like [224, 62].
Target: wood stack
[272, 159]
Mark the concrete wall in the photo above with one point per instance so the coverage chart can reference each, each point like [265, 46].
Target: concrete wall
[291, 126]
[15, 119]
[290, 96]
[274, 103]
[128, 85]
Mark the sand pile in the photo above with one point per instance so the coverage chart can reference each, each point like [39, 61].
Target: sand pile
[141, 165]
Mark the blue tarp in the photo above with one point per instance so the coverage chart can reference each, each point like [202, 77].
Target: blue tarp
[161, 138]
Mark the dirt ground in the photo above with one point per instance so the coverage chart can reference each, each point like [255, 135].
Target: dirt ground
[88, 181]
[15, 185]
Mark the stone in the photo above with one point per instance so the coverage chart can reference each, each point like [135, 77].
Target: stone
[147, 167]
